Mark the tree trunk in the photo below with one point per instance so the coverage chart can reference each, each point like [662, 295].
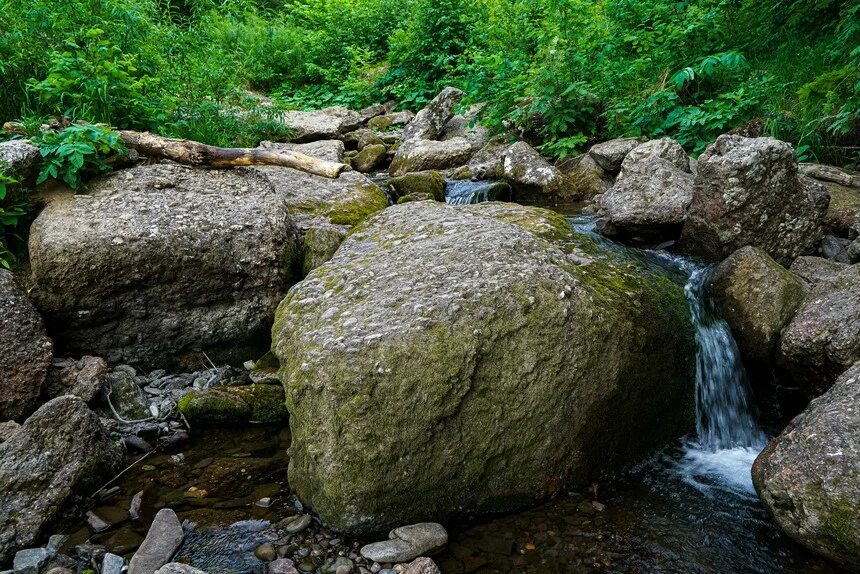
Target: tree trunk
[194, 153]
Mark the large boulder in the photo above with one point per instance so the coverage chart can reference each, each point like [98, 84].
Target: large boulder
[748, 192]
[20, 159]
[420, 155]
[325, 124]
[25, 350]
[652, 192]
[466, 126]
[450, 360]
[585, 177]
[60, 451]
[809, 476]
[486, 163]
[158, 263]
[823, 338]
[531, 177]
[758, 297]
[428, 123]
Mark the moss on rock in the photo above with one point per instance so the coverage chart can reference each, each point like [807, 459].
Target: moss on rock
[235, 405]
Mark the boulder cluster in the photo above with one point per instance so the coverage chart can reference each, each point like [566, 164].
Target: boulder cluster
[435, 361]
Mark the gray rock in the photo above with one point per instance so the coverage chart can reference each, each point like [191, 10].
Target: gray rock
[530, 175]
[823, 338]
[609, 154]
[407, 542]
[817, 271]
[126, 396]
[282, 566]
[61, 449]
[266, 552]
[748, 192]
[299, 524]
[84, 378]
[422, 565]
[652, 192]
[420, 155]
[7, 429]
[31, 560]
[426, 183]
[843, 212]
[387, 121]
[325, 124]
[428, 123]
[456, 314]
[585, 177]
[369, 158]
[809, 476]
[835, 248]
[485, 163]
[25, 350]
[371, 112]
[164, 538]
[112, 564]
[20, 159]
[466, 126]
[328, 150]
[758, 297]
[361, 138]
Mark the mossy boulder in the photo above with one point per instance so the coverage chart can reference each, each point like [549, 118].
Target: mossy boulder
[809, 476]
[235, 405]
[369, 158]
[428, 184]
[455, 360]
[758, 297]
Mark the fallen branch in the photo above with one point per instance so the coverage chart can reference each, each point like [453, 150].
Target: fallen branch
[188, 152]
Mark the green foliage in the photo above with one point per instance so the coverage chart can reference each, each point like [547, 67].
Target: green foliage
[75, 149]
[12, 211]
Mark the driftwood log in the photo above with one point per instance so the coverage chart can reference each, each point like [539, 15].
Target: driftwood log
[188, 152]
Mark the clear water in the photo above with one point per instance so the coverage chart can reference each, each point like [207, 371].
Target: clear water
[465, 192]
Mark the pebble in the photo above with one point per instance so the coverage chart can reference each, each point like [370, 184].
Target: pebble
[282, 566]
[96, 523]
[299, 524]
[134, 505]
[266, 552]
[407, 543]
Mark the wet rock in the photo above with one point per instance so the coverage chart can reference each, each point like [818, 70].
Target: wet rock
[608, 155]
[748, 192]
[282, 566]
[84, 378]
[20, 159]
[299, 524]
[652, 192]
[266, 552]
[468, 192]
[426, 183]
[369, 158]
[112, 564]
[502, 298]
[164, 538]
[823, 338]
[339, 565]
[325, 124]
[428, 123]
[329, 150]
[758, 297]
[420, 155]
[809, 476]
[127, 397]
[529, 174]
[407, 542]
[25, 350]
[61, 449]
[422, 565]
[234, 405]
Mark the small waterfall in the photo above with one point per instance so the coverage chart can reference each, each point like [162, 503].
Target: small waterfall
[724, 416]
[728, 438]
[465, 192]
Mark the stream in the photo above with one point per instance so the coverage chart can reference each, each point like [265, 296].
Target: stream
[690, 508]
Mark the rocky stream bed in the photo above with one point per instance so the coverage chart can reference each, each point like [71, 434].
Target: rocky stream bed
[416, 367]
